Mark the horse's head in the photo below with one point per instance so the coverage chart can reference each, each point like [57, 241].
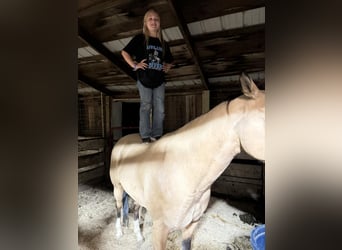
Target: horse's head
[250, 110]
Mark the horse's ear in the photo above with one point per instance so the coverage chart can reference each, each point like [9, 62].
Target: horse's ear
[249, 88]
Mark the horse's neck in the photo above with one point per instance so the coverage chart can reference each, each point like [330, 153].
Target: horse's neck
[214, 142]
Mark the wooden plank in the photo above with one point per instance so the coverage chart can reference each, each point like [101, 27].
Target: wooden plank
[205, 101]
[243, 171]
[90, 167]
[174, 113]
[242, 180]
[191, 110]
[90, 144]
[237, 190]
[89, 152]
[91, 175]
[180, 109]
[90, 159]
[253, 162]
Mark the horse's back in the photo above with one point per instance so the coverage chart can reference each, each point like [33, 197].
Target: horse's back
[129, 139]
[126, 141]
[129, 165]
[129, 144]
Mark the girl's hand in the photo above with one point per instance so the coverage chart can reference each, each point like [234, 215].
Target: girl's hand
[141, 65]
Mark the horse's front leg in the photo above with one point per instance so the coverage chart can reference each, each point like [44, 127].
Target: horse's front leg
[159, 235]
[187, 235]
[136, 222]
[197, 212]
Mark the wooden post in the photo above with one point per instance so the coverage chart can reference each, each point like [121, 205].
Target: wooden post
[205, 101]
[107, 132]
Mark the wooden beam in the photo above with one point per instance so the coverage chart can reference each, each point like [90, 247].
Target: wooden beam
[99, 47]
[197, 10]
[189, 90]
[95, 85]
[237, 32]
[177, 11]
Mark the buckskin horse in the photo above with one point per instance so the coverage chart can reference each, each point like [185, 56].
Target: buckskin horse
[172, 176]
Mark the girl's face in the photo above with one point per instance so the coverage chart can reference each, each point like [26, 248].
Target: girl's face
[152, 22]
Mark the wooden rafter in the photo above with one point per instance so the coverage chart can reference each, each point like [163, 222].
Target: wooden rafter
[94, 85]
[237, 32]
[99, 47]
[176, 10]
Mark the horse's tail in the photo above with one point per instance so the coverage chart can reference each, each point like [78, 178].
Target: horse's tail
[125, 208]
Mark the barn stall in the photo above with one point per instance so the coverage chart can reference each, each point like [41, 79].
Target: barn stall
[212, 44]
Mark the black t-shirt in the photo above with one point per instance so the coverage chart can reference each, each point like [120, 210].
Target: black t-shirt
[152, 51]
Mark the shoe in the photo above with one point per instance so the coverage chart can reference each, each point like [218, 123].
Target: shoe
[155, 138]
[146, 140]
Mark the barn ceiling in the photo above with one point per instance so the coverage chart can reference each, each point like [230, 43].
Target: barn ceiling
[212, 42]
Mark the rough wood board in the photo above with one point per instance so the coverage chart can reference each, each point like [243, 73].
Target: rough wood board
[90, 175]
[90, 144]
[90, 159]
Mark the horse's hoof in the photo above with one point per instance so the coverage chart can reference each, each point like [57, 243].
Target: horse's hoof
[119, 234]
[140, 238]
[125, 222]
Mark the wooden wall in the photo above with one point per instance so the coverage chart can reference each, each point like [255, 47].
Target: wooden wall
[179, 110]
[94, 139]
[243, 178]
[90, 116]
[91, 159]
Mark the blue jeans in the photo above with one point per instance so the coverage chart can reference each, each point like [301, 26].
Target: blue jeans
[151, 104]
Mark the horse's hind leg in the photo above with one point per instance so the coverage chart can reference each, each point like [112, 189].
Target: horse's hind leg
[125, 209]
[118, 194]
[187, 235]
[136, 216]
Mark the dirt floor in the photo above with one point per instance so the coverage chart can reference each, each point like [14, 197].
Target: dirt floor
[223, 226]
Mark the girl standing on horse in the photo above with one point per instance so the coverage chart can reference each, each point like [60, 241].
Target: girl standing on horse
[149, 55]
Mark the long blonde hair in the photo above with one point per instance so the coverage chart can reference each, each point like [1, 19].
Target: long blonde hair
[146, 32]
